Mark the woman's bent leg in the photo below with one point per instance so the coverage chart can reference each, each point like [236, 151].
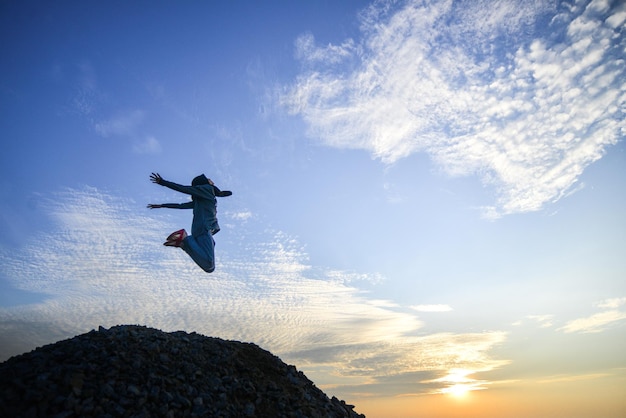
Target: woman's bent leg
[201, 250]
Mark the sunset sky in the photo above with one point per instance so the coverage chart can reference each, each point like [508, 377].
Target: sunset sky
[429, 197]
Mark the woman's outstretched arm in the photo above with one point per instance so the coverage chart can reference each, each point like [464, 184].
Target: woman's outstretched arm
[199, 191]
[188, 205]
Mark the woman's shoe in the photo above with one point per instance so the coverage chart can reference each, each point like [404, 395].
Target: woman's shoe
[176, 238]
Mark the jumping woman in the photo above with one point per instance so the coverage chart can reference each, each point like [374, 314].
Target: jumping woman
[200, 244]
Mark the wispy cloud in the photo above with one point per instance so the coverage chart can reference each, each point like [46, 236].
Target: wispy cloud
[308, 51]
[594, 323]
[243, 215]
[432, 308]
[104, 264]
[86, 96]
[128, 125]
[124, 124]
[527, 113]
[612, 303]
[544, 321]
[149, 145]
[600, 321]
[572, 378]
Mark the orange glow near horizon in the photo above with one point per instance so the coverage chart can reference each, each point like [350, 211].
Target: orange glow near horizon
[575, 398]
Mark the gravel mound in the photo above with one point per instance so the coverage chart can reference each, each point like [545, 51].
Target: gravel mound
[134, 371]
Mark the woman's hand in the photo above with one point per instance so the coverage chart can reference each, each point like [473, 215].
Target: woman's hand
[156, 178]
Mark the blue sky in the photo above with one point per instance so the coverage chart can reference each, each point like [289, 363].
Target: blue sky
[428, 196]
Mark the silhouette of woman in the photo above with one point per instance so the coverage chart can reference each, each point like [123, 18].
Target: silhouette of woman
[200, 244]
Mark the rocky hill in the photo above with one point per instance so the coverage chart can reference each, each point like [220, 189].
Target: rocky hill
[134, 371]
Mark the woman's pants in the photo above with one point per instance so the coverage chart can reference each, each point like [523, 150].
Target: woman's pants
[201, 249]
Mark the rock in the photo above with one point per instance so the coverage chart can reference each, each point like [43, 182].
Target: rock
[143, 372]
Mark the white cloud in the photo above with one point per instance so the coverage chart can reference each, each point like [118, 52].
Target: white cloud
[572, 378]
[472, 84]
[544, 321]
[409, 360]
[123, 124]
[148, 146]
[594, 323]
[432, 308]
[86, 96]
[306, 50]
[617, 19]
[239, 216]
[612, 303]
[600, 321]
[104, 264]
[128, 125]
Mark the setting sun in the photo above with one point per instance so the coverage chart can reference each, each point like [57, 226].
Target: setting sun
[459, 390]
[458, 384]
